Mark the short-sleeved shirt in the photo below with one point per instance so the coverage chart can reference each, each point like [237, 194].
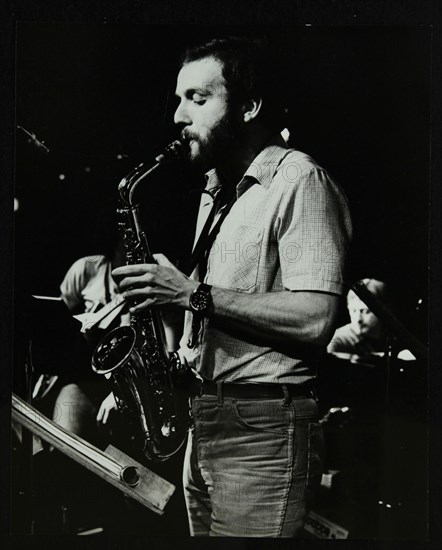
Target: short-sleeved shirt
[87, 283]
[289, 229]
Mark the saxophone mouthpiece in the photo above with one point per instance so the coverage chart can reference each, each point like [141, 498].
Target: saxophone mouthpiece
[174, 151]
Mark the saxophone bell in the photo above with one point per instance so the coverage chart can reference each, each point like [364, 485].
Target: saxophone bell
[144, 394]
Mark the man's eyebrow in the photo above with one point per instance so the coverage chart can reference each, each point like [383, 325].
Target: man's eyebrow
[190, 91]
[199, 91]
[203, 91]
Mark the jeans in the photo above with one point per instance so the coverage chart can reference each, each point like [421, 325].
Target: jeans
[252, 466]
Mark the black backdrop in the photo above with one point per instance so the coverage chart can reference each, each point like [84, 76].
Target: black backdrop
[358, 100]
[359, 105]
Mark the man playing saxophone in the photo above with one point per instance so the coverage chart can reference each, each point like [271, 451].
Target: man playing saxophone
[260, 307]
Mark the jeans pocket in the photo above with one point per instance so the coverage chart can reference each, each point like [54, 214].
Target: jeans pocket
[263, 415]
[315, 458]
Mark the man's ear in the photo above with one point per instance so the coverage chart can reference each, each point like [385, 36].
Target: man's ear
[251, 109]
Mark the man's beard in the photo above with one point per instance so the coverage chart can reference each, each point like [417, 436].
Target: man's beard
[218, 147]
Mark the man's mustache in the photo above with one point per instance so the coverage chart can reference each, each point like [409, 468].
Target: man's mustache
[188, 136]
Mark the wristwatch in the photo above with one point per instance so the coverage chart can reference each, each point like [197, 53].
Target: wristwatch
[200, 300]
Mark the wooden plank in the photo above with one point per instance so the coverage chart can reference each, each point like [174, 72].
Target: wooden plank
[150, 490]
[158, 489]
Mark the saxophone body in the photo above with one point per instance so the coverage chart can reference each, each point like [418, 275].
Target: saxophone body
[135, 357]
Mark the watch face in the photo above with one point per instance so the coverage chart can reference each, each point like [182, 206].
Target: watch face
[200, 300]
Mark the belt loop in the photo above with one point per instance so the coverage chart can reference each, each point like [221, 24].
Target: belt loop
[219, 393]
[287, 397]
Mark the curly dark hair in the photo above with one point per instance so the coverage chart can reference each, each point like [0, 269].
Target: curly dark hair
[250, 69]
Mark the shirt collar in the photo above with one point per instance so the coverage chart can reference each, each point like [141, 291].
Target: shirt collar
[212, 182]
[261, 169]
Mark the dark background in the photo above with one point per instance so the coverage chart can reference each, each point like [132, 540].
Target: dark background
[359, 102]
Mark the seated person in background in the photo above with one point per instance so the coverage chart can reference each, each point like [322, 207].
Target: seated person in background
[85, 399]
[87, 287]
[365, 333]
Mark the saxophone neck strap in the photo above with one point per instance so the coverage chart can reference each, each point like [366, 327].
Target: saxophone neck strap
[106, 282]
[207, 237]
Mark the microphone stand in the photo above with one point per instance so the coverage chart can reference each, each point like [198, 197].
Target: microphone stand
[396, 445]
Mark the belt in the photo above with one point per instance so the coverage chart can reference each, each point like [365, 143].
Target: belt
[254, 391]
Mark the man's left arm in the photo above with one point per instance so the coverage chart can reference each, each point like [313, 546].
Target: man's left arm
[278, 317]
[315, 223]
[306, 317]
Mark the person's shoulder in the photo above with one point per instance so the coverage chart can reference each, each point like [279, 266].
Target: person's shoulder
[88, 265]
[300, 157]
[297, 169]
[345, 329]
[299, 164]
[296, 156]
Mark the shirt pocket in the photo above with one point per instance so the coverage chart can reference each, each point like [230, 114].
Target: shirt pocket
[235, 258]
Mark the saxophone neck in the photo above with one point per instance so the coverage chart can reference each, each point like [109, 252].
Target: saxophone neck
[130, 182]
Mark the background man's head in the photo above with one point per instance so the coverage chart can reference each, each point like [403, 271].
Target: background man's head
[363, 321]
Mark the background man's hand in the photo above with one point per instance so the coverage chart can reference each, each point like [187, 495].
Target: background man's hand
[106, 407]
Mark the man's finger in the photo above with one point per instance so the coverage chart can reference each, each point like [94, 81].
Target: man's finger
[162, 260]
[141, 306]
[136, 282]
[138, 269]
[136, 294]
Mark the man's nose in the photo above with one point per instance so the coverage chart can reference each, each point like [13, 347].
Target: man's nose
[181, 115]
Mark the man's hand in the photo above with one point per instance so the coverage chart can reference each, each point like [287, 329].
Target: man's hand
[275, 317]
[151, 285]
[106, 407]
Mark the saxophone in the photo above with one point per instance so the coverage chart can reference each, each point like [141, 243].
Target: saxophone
[135, 357]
